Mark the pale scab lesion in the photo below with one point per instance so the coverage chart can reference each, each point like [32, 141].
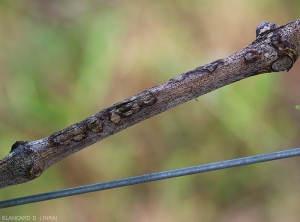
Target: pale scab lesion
[62, 138]
[115, 117]
[148, 99]
[129, 107]
[94, 124]
[75, 133]
[123, 110]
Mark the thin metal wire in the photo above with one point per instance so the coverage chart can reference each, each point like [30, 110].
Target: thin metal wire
[151, 177]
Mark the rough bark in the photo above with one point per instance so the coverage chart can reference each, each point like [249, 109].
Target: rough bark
[275, 49]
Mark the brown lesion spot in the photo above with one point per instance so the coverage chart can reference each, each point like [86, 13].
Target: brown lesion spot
[251, 56]
[264, 70]
[211, 67]
[35, 171]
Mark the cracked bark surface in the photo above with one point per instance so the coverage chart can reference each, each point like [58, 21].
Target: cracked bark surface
[275, 49]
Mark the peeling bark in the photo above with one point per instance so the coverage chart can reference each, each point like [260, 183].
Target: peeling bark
[275, 49]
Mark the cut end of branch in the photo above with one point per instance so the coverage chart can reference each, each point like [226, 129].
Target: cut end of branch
[19, 166]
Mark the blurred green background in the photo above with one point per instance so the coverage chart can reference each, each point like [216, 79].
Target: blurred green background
[62, 61]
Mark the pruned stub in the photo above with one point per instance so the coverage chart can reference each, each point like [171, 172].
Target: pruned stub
[128, 108]
[287, 55]
[282, 64]
[25, 164]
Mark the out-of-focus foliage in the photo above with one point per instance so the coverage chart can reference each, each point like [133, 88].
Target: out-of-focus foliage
[62, 61]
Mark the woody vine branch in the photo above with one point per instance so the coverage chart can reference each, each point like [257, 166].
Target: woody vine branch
[275, 49]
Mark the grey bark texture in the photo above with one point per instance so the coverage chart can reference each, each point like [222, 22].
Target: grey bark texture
[275, 49]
